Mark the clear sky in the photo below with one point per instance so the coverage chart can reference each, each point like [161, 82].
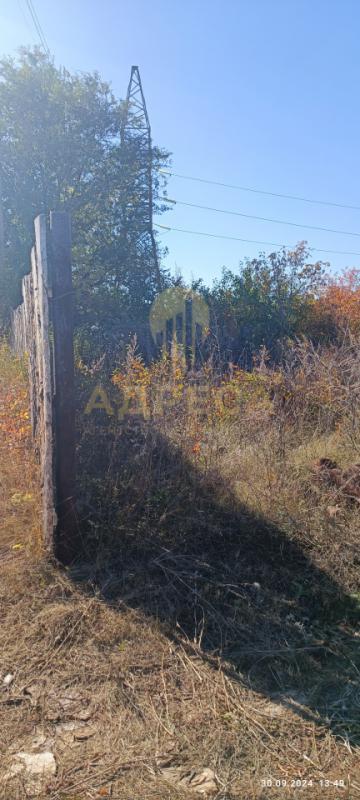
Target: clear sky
[261, 93]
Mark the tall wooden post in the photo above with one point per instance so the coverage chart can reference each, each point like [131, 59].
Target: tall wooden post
[2, 238]
[40, 283]
[64, 405]
[2, 232]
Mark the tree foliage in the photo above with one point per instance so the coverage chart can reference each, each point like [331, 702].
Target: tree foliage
[338, 307]
[267, 301]
[61, 149]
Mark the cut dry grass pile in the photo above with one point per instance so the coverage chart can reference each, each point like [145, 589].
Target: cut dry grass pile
[110, 679]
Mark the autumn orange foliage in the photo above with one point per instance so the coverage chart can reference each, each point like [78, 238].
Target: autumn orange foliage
[20, 501]
[14, 402]
[339, 303]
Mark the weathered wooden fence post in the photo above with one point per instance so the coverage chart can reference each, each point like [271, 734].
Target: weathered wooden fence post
[42, 327]
[43, 399]
[2, 233]
[66, 534]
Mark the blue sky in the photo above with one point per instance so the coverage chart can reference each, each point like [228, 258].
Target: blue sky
[260, 93]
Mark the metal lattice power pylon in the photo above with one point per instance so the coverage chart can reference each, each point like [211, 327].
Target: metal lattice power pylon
[136, 136]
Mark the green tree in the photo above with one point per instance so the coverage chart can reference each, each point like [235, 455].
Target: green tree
[268, 301]
[61, 149]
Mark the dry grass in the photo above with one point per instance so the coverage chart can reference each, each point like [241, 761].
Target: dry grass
[19, 477]
[161, 651]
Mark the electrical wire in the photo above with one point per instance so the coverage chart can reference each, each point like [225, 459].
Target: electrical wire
[254, 241]
[37, 26]
[260, 191]
[262, 219]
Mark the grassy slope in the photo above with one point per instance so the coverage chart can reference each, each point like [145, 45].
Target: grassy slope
[146, 695]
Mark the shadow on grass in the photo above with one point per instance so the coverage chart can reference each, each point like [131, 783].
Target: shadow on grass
[164, 538]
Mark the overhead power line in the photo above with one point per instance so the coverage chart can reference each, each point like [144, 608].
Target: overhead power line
[38, 27]
[261, 191]
[262, 219]
[254, 241]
